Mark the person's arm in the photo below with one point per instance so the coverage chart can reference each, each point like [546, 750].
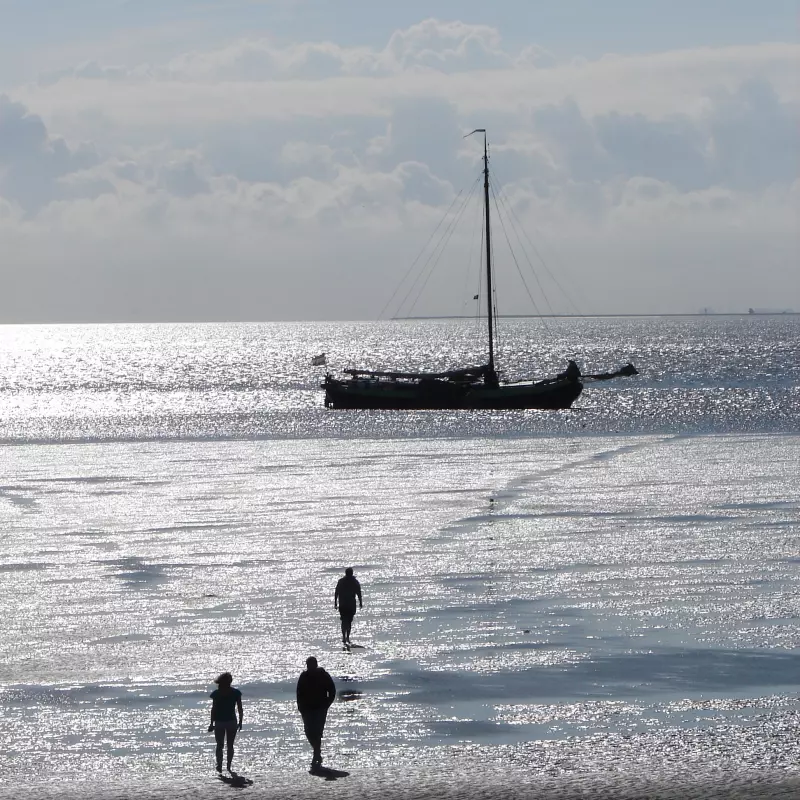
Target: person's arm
[213, 716]
[240, 710]
[331, 690]
[358, 594]
[336, 596]
[300, 693]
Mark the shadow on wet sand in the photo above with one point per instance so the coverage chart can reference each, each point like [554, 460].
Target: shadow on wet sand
[328, 773]
[236, 781]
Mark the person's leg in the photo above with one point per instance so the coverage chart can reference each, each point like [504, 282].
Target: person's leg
[348, 623]
[308, 727]
[231, 735]
[347, 619]
[319, 727]
[313, 731]
[310, 732]
[219, 735]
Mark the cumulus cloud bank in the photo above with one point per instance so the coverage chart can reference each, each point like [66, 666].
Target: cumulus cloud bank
[260, 181]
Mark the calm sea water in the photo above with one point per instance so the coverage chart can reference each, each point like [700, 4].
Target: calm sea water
[708, 374]
[591, 595]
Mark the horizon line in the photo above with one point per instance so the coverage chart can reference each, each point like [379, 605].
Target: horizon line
[788, 313]
[628, 314]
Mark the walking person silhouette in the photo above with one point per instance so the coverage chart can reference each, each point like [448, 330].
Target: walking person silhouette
[315, 693]
[226, 700]
[344, 598]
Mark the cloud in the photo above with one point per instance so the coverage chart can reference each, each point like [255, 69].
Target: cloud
[272, 181]
[745, 138]
[422, 129]
[31, 162]
[183, 179]
[754, 136]
[429, 45]
[92, 70]
[207, 88]
[335, 250]
[445, 47]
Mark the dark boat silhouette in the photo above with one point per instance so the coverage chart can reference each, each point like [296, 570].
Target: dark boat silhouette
[477, 387]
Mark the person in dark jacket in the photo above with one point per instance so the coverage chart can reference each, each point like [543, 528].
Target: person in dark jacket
[344, 598]
[226, 701]
[571, 373]
[315, 693]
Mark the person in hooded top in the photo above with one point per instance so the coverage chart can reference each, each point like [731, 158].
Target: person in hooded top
[315, 693]
[573, 371]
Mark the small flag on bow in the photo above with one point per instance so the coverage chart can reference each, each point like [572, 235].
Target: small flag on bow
[319, 360]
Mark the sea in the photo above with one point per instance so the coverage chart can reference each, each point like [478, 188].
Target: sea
[599, 602]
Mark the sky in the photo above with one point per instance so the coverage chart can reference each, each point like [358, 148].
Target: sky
[290, 159]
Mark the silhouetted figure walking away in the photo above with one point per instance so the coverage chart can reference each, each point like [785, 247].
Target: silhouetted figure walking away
[225, 702]
[315, 693]
[344, 598]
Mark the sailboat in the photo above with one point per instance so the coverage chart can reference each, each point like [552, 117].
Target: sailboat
[473, 387]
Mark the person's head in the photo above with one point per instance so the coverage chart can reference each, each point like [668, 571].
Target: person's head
[349, 572]
[224, 680]
[311, 663]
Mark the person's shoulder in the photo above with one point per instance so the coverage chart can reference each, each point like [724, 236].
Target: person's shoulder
[236, 692]
[214, 694]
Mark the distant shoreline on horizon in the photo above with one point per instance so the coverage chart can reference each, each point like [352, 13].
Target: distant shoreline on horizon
[584, 316]
[407, 319]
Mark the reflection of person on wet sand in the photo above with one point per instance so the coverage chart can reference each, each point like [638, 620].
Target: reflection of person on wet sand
[315, 693]
[344, 598]
[225, 702]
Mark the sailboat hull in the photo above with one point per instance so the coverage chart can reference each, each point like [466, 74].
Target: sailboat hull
[431, 395]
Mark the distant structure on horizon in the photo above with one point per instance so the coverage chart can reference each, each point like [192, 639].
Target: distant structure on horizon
[708, 311]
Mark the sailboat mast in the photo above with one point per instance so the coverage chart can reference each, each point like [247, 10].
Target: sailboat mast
[489, 305]
[491, 375]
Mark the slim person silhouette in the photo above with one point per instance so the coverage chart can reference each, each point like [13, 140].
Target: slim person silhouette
[225, 702]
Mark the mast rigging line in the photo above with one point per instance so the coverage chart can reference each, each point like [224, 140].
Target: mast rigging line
[444, 238]
[467, 295]
[519, 270]
[441, 247]
[493, 299]
[517, 226]
[480, 270]
[419, 255]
